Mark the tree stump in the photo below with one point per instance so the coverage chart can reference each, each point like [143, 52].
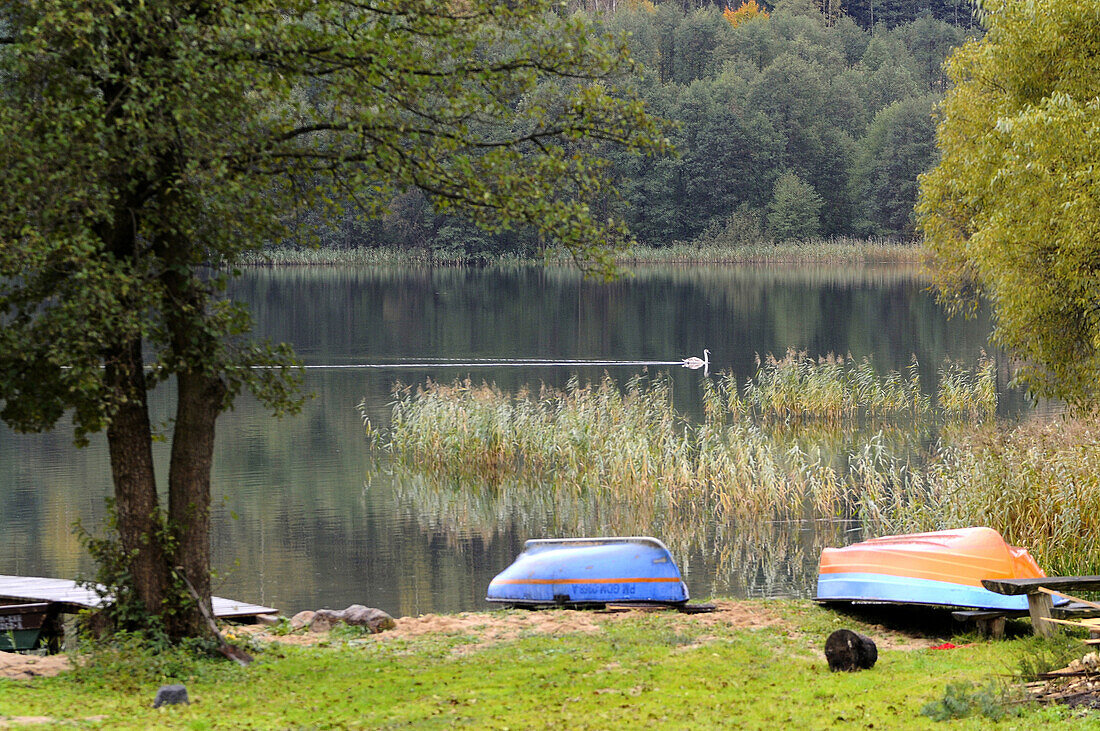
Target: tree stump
[849, 651]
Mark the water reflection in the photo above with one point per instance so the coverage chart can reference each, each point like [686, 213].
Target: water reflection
[305, 516]
[750, 558]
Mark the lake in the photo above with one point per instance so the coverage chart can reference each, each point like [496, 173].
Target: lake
[305, 516]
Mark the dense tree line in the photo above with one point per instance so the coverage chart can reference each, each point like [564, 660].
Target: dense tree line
[788, 123]
[867, 13]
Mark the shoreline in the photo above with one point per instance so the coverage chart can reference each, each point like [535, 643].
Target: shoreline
[818, 251]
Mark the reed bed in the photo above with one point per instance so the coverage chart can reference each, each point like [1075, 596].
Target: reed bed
[804, 441]
[629, 442]
[1038, 483]
[600, 458]
[290, 255]
[832, 250]
[818, 250]
[830, 388]
[968, 393]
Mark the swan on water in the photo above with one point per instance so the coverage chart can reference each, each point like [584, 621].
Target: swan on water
[694, 362]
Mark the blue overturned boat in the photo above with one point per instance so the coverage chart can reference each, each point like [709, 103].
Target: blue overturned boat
[592, 572]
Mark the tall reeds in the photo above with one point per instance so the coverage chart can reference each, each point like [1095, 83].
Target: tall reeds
[833, 250]
[629, 442]
[804, 441]
[832, 388]
[749, 251]
[1038, 483]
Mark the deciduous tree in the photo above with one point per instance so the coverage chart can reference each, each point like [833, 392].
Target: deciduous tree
[1012, 211]
[149, 143]
[795, 209]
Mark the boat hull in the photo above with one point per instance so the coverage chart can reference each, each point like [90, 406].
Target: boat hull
[943, 568]
[579, 571]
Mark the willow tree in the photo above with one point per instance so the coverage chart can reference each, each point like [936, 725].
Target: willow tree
[148, 144]
[1012, 211]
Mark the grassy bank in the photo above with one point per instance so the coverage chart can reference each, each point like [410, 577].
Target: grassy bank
[753, 665]
[831, 251]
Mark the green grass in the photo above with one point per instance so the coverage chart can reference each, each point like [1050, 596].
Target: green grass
[658, 670]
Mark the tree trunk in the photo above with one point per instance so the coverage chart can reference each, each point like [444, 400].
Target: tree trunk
[129, 440]
[198, 405]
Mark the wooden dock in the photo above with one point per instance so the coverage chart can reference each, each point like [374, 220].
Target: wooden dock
[71, 597]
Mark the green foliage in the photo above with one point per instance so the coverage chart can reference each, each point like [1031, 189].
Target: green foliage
[1039, 655]
[122, 610]
[195, 133]
[1011, 213]
[962, 700]
[794, 211]
[793, 91]
[897, 149]
[130, 662]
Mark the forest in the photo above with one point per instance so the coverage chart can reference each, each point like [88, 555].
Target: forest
[797, 120]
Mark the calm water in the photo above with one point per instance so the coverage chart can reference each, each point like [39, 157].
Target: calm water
[306, 518]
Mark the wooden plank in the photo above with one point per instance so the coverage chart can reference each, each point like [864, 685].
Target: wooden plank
[1029, 586]
[73, 597]
[968, 615]
[1045, 590]
[230, 608]
[1093, 625]
[1039, 606]
[60, 591]
[1074, 610]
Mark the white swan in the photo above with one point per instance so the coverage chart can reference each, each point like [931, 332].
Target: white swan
[694, 362]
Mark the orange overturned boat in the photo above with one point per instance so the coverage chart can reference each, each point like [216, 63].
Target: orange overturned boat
[944, 568]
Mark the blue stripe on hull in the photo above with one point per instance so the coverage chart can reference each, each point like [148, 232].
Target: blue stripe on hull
[905, 590]
[616, 592]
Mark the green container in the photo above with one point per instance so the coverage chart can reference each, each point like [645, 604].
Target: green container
[21, 625]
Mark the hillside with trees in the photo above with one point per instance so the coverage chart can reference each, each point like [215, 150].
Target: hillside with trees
[792, 121]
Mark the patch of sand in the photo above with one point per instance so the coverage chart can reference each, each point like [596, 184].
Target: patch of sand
[23, 667]
[486, 628]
